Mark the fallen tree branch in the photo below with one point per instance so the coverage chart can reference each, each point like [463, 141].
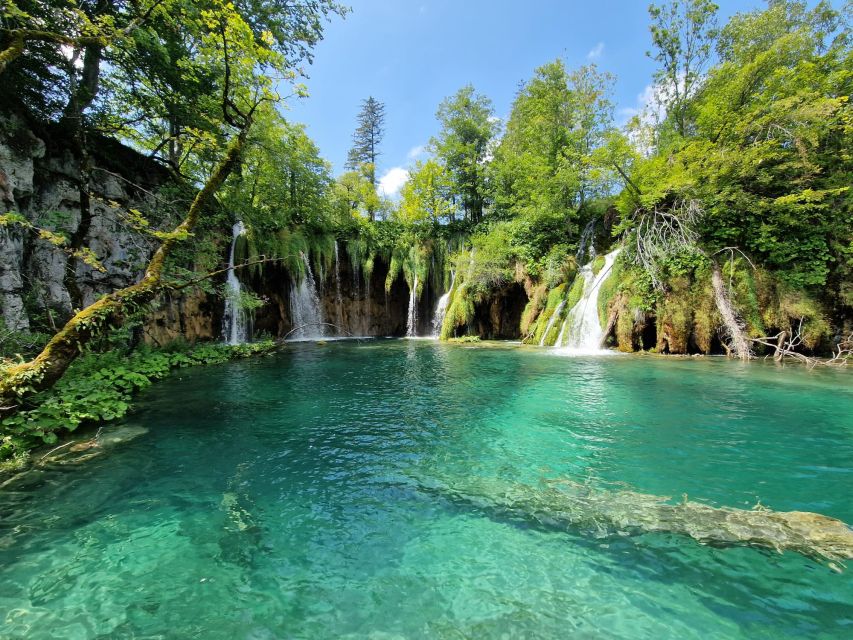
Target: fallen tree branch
[785, 344]
[315, 324]
[735, 341]
[213, 274]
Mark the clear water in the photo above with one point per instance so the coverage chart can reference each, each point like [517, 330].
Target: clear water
[287, 497]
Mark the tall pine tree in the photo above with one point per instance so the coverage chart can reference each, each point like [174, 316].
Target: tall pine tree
[366, 139]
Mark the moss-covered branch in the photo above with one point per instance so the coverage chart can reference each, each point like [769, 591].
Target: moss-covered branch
[45, 369]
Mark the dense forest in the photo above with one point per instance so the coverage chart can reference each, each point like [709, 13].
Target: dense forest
[724, 209]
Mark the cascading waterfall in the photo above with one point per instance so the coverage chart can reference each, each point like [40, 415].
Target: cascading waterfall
[339, 301]
[305, 310]
[367, 303]
[554, 317]
[441, 307]
[586, 243]
[235, 321]
[412, 321]
[581, 332]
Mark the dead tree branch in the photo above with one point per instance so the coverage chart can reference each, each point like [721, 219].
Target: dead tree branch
[663, 233]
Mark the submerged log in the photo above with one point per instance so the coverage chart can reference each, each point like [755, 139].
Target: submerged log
[562, 504]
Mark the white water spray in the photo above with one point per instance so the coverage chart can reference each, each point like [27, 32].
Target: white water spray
[551, 321]
[441, 307]
[305, 310]
[339, 301]
[234, 320]
[581, 332]
[412, 320]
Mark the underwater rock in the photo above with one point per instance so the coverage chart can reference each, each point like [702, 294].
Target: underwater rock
[119, 434]
[562, 504]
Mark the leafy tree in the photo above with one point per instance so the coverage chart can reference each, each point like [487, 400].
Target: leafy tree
[546, 170]
[683, 33]
[767, 154]
[353, 194]
[468, 126]
[426, 195]
[243, 63]
[283, 181]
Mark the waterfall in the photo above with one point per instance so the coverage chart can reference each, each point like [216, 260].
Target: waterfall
[234, 320]
[339, 301]
[554, 317]
[412, 321]
[441, 307]
[305, 311]
[581, 332]
[367, 322]
[586, 242]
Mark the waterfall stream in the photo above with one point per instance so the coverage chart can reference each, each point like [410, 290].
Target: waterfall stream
[554, 317]
[305, 310]
[441, 307]
[235, 321]
[581, 332]
[586, 245]
[412, 318]
[339, 301]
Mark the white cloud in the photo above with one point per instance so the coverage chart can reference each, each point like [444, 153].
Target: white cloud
[416, 152]
[650, 106]
[596, 52]
[392, 181]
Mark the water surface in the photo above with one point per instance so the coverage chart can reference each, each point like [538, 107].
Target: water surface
[294, 497]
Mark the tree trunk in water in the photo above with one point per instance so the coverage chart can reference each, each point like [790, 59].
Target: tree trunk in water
[738, 344]
[780, 347]
[42, 372]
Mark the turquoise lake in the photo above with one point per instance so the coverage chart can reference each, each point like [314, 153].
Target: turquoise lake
[294, 496]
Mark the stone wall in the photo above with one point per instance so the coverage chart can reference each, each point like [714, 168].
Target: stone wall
[40, 178]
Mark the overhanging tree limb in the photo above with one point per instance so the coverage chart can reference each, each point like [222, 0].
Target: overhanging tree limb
[19, 37]
[45, 369]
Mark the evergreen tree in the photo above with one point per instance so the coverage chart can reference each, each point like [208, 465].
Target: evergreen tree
[366, 140]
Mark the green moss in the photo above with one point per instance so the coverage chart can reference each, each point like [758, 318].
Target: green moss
[609, 288]
[464, 339]
[531, 311]
[554, 297]
[460, 311]
[706, 318]
[675, 317]
[598, 265]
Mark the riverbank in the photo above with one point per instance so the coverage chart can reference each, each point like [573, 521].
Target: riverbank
[98, 388]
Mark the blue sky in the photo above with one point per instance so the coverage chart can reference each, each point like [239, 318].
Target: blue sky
[410, 55]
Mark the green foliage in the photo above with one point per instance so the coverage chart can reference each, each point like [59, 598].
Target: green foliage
[490, 262]
[683, 33]
[467, 128]
[20, 345]
[764, 143]
[426, 196]
[99, 386]
[460, 311]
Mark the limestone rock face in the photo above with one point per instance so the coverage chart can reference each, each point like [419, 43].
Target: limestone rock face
[40, 178]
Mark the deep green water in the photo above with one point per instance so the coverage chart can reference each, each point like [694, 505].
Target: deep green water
[290, 497]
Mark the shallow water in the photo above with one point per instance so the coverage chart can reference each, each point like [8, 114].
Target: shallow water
[293, 497]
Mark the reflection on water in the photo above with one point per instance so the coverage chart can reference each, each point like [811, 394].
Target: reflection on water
[295, 497]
